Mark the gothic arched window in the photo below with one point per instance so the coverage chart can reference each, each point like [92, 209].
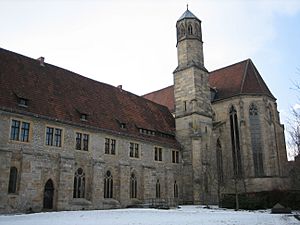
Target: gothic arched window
[175, 189]
[256, 141]
[157, 189]
[108, 185]
[190, 29]
[270, 113]
[79, 184]
[197, 30]
[13, 177]
[182, 30]
[133, 186]
[235, 142]
[220, 163]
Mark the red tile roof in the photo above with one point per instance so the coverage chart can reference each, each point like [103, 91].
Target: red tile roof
[240, 78]
[62, 95]
[164, 97]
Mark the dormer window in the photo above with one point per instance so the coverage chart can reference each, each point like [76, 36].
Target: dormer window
[83, 117]
[23, 102]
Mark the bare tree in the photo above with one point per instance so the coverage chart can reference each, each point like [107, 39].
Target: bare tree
[294, 124]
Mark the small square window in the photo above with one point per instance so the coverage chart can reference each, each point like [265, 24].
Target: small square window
[23, 102]
[83, 117]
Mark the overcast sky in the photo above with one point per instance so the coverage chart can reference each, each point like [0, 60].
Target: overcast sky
[133, 43]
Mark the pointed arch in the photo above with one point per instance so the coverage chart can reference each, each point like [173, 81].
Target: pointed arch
[235, 142]
[133, 186]
[48, 195]
[182, 30]
[190, 29]
[108, 185]
[255, 131]
[79, 184]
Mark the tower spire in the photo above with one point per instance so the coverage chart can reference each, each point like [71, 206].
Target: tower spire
[187, 6]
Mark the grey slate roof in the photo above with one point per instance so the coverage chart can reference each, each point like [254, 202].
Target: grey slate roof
[187, 15]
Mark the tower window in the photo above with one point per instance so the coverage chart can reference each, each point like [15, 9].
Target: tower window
[190, 29]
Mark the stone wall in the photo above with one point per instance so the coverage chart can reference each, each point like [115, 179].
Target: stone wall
[37, 163]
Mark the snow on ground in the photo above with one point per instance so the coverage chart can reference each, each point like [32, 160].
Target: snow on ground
[186, 215]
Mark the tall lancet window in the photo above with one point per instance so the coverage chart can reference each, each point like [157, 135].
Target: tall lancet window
[235, 142]
[256, 141]
[220, 163]
[79, 184]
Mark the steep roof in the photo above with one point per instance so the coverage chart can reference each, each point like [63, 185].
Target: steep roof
[241, 78]
[62, 95]
[163, 96]
[187, 15]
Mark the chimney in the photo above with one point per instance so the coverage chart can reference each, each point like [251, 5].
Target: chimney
[41, 60]
[120, 87]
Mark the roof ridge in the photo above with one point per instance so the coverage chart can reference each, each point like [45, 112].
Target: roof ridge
[157, 90]
[244, 75]
[234, 64]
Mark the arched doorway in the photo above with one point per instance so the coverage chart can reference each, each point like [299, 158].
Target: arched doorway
[48, 195]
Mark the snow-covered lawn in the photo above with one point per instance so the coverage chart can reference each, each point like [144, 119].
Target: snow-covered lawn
[186, 215]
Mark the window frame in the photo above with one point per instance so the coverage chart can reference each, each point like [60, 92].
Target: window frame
[13, 180]
[134, 150]
[82, 141]
[52, 139]
[158, 152]
[79, 188]
[175, 156]
[20, 133]
[110, 146]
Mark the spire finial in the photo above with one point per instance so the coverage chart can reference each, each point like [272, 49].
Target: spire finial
[187, 6]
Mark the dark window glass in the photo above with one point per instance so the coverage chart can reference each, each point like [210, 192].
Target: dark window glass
[235, 142]
[107, 143]
[49, 135]
[256, 141]
[25, 132]
[133, 186]
[85, 142]
[157, 189]
[58, 133]
[78, 141]
[175, 190]
[108, 185]
[220, 163]
[131, 148]
[15, 130]
[13, 177]
[79, 184]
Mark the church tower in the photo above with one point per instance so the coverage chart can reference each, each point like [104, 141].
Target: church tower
[193, 114]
